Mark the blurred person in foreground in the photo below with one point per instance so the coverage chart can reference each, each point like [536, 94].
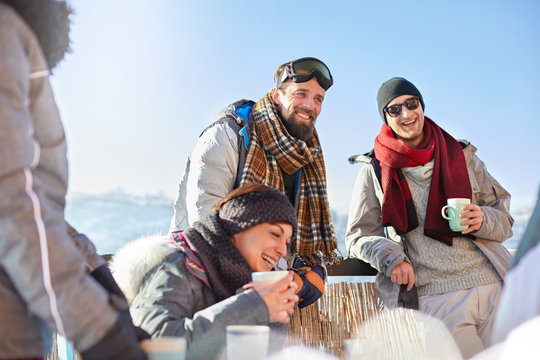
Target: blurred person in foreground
[44, 263]
[395, 220]
[520, 300]
[193, 283]
[517, 323]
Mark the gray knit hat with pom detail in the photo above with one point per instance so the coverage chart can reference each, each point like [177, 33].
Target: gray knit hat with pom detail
[253, 208]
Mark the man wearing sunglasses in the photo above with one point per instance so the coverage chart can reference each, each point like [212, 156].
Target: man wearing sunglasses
[395, 220]
[272, 141]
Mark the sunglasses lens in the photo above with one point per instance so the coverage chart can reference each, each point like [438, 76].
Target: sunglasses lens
[412, 103]
[394, 110]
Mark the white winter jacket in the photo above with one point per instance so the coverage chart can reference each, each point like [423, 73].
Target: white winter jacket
[211, 169]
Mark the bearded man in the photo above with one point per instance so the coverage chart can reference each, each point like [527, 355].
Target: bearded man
[274, 142]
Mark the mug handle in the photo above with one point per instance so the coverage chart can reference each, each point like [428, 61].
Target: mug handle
[451, 212]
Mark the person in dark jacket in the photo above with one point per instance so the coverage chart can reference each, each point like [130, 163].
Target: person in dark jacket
[48, 271]
[193, 283]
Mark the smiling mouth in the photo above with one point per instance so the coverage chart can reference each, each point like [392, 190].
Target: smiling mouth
[304, 116]
[409, 122]
[269, 260]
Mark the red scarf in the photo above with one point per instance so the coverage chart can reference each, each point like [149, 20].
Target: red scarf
[450, 179]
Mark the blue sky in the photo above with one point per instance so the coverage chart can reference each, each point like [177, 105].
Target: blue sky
[145, 77]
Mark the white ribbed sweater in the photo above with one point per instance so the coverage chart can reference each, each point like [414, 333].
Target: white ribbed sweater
[439, 268]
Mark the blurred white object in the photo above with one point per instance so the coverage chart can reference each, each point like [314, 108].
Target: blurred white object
[165, 348]
[410, 334]
[247, 342]
[522, 343]
[520, 300]
[363, 349]
[301, 352]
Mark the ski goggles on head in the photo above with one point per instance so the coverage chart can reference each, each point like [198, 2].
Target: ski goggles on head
[410, 104]
[305, 69]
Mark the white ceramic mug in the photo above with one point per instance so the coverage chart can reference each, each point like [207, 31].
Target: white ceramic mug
[454, 209]
[263, 279]
[247, 342]
[165, 348]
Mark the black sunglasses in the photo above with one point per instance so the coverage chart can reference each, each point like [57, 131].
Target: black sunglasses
[395, 110]
[305, 69]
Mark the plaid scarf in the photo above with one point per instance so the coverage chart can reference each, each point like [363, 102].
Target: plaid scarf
[272, 149]
[450, 179]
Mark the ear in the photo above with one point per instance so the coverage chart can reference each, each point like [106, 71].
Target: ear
[276, 97]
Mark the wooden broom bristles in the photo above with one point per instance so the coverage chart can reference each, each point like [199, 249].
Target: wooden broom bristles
[336, 316]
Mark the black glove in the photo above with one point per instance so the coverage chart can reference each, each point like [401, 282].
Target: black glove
[141, 334]
[117, 298]
[105, 278]
[120, 342]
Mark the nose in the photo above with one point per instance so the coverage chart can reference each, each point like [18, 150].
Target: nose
[309, 103]
[282, 248]
[404, 111]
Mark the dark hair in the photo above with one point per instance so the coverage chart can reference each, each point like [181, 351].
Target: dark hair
[50, 23]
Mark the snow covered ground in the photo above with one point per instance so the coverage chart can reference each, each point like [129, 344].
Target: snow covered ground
[111, 220]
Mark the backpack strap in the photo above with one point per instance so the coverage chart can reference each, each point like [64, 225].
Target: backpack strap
[377, 168]
[376, 165]
[235, 123]
[244, 112]
[368, 157]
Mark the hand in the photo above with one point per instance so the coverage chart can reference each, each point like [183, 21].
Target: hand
[403, 274]
[280, 299]
[474, 212]
[248, 286]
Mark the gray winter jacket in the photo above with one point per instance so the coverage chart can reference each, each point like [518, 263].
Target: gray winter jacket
[170, 296]
[211, 169]
[368, 240]
[43, 283]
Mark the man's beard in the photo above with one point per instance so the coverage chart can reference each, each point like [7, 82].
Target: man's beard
[299, 131]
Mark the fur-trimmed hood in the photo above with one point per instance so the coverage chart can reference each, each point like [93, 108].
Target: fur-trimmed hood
[134, 260]
[50, 23]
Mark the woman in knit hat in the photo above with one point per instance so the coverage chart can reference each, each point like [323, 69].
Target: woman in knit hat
[197, 281]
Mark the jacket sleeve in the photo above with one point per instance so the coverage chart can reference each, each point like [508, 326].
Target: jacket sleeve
[209, 175]
[494, 201]
[172, 302]
[44, 265]
[365, 236]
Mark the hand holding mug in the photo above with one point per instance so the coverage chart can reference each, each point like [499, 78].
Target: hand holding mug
[462, 215]
[280, 298]
[475, 218]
